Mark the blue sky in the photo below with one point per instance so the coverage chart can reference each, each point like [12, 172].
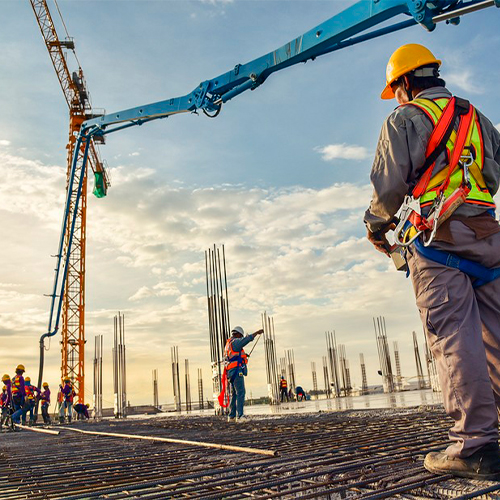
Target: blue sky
[281, 177]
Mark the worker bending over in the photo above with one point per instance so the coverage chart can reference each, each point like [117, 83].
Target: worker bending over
[82, 411]
[236, 367]
[442, 153]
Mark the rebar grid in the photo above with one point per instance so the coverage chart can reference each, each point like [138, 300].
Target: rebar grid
[354, 454]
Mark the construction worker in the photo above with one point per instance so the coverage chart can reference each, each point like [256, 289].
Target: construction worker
[45, 403]
[5, 402]
[435, 155]
[236, 368]
[283, 389]
[82, 411]
[30, 402]
[68, 395]
[300, 394]
[18, 394]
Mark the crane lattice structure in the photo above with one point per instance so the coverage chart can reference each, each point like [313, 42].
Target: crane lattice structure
[80, 109]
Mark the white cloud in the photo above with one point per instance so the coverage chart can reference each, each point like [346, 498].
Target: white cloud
[215, 2]
[4, 142]
[343, 152]
[497, 126]
[466, 80]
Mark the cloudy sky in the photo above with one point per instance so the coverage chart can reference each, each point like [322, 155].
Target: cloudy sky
[281, 178]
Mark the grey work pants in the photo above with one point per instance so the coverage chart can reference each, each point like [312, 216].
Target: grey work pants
[462, 325]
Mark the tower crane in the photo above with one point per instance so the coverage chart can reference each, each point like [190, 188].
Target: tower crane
[77, 97]
[358, 23]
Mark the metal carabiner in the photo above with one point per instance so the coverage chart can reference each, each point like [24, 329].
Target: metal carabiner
[410, 205]
[433, 216]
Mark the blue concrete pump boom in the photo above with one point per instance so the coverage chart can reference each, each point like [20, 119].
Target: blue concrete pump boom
[338, 32]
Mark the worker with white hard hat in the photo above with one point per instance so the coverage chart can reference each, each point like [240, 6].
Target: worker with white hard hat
[236, 369]
[438, 163]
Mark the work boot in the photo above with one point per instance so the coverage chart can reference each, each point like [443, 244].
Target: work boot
[483, 464]
[69, 420]
[231, 419]
[61, 420]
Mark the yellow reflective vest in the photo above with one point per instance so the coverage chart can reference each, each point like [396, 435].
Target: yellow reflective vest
[479, 193]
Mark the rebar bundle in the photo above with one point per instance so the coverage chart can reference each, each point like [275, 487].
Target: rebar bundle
[201, 404]
[431, 369]
[344, 370]
[188, 385]
[418, 362]
[326, 378]
[97, 392]
[174, 353]
[218, 315]
[314, 378]
[399, 378]
[156, 403]
[119, 367]
[364, 380]
[290, 364]
[384, 354]
[273, 376]
[333, 361]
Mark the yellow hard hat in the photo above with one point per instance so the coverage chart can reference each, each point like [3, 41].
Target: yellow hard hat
[4, 388]
[20, 367]
[45, 384]
[66, 379]
[403, 60]
[87, 405]
[5, 377]
[27, 379]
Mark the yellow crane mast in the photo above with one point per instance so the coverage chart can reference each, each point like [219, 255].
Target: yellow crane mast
[80, 109]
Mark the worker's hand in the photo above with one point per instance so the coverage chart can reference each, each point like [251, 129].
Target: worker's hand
[378, 239]
[258, 332]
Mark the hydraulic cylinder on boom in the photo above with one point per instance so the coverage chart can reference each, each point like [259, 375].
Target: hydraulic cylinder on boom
[354, 25]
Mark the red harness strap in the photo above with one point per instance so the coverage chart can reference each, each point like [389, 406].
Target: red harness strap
[438, 135]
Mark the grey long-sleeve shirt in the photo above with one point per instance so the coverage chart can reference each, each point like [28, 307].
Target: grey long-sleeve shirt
[400, 156]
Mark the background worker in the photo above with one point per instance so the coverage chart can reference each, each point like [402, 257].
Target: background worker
[283, 389]
[236, 366]
[462, 323]
[82, 411]
[18, 394]
[29, 403]
[45, 403]
[4, 404]
[68, 395]
[300, 394]
[6, 400]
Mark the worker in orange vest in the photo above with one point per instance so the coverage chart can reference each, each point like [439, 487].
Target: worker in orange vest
[236, 369]
[283, 389]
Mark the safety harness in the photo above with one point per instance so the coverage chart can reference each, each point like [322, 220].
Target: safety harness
[444, 203]
[465, 152]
